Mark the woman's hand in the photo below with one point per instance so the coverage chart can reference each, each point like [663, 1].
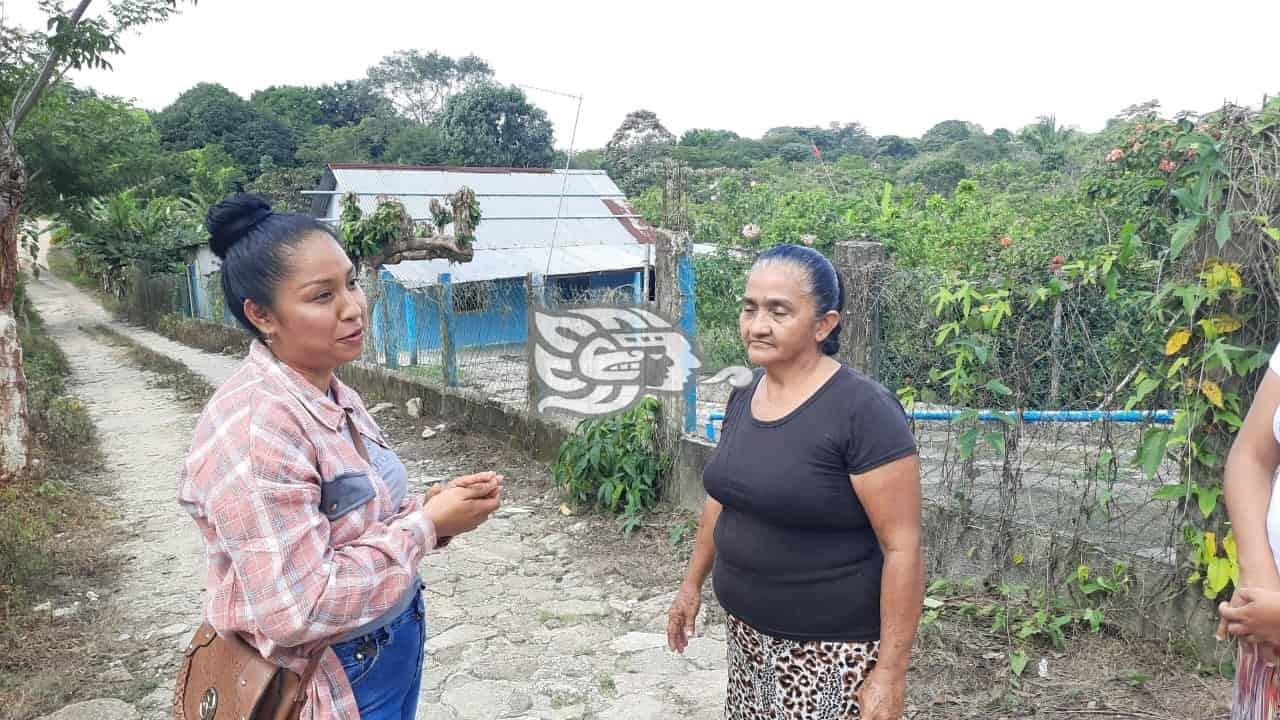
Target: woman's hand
[462, 481]
[464, 504]
[1253, 616]
[882, 696]
[682, 617]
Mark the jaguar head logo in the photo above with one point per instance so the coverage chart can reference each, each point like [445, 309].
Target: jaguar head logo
[602, 360]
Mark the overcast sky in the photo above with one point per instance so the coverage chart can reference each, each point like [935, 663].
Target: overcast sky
[897, 66]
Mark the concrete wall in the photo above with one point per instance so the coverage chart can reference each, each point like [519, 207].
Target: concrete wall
[456, 406]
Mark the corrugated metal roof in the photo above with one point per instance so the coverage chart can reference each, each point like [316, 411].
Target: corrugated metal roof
[494, 265]
[586, 237]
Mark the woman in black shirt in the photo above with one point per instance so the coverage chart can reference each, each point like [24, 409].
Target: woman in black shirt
[812, 520]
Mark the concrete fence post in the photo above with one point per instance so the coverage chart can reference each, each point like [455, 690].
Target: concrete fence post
[863, 267]
[448, 336]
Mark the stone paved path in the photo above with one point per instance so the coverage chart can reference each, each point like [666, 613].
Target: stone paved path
[515, 630]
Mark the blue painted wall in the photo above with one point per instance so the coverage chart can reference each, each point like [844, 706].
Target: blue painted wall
[500, 322]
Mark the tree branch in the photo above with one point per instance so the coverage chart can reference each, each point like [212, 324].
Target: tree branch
[42, 78]
[439, 247]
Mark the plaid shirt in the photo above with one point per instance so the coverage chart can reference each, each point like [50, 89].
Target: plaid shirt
[287, 574]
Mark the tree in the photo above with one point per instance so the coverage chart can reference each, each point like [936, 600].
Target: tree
[631, 155]
[33, 62]
[1048, 140]
[491, 125]
[210, 113]
[419, 86]
[283, 186]
[336, 105]
[895, 147]
[945, 134]
[938, 175]
[81, 145]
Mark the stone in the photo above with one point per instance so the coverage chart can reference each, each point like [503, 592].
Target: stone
[637, 641]
[428, 433]
[101, 709]
[460, 635]
[575, 608]
[645, 707]
[116, 675]
[67, 611]
[381, 407]
[413, 407]
[482, 699]
[169, 631]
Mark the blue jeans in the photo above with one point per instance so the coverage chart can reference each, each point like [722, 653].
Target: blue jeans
[385, 666]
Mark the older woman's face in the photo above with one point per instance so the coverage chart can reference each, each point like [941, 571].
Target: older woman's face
[778, 320]
[317, 317]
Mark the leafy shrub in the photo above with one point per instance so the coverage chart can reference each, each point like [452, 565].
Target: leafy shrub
[613, 462]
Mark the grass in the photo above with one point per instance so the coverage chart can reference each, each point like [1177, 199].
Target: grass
[52, 531]
[187, 386]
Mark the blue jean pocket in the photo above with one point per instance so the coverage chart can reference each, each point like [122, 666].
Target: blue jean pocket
[358, 657]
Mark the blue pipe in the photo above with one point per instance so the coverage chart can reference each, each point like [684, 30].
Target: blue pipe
[1157, 417]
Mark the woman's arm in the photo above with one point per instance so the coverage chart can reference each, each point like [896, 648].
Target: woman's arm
[891, 496]
[684, 610]
[704, 546]
[293, 585]
[1247, 481]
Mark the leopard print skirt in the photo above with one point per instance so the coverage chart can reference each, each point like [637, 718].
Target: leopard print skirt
[775, 679]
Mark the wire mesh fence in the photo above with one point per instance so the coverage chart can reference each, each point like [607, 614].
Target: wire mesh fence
[474, 334]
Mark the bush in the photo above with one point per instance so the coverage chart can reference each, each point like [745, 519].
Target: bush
[613, 462]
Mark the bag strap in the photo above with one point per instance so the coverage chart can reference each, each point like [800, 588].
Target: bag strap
[307, 675]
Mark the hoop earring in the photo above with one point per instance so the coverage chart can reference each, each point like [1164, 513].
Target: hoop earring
[269, 339]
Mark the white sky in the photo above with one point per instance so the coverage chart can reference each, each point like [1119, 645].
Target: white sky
[896, 67]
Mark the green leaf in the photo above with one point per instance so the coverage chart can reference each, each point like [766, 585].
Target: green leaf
[1170, 492]
[1223, 232]
[1208, 498]
[1182, 234]
[995, 440]
[998, 388]
[966, 440]
[1145, 387]
[1017, 663]
[932, 603]
[1152, 452]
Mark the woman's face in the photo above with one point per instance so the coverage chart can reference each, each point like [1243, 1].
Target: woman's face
[317, 315]
[779, 319]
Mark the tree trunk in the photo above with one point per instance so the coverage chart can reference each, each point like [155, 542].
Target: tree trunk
[13, 383]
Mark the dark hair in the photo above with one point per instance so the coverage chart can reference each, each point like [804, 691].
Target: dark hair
[252, 242]
[822, 282]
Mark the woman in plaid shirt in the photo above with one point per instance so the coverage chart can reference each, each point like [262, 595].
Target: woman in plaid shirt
[313, 543]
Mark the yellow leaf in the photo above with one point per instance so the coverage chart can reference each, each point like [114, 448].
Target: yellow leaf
[1229, 547]
[1212, 392]
[1018, 558]
[1210, 545]
[1224, 324]
[1177, 340]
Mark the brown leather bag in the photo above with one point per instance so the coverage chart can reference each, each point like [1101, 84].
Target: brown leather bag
[226, 678]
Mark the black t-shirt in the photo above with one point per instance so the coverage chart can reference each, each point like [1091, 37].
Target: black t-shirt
[796, 556]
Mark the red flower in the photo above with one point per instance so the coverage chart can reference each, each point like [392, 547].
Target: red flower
[1115, 155]
[1006, 241]
[1167, 165]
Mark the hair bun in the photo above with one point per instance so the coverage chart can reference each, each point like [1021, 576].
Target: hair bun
[230, 220]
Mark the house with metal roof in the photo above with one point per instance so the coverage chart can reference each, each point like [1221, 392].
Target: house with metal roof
[572, 227]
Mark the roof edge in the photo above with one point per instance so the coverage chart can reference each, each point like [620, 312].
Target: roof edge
[440, 168]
